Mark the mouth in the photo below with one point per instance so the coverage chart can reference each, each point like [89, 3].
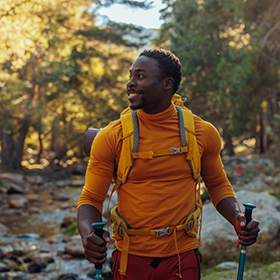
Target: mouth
[131, 93]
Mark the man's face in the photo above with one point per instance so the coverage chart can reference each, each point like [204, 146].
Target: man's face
[145, 87]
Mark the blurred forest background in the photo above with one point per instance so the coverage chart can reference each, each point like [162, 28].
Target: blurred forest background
[62, 72]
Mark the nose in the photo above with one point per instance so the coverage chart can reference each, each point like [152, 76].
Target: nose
[131, 82]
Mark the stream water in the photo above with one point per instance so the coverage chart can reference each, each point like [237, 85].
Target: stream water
[42, 231]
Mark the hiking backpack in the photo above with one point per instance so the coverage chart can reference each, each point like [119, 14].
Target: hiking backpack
[129, 153]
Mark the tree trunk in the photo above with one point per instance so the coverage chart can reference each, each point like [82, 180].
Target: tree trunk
[228, 144]
[261, 134]
[11, 151]
[40, 142]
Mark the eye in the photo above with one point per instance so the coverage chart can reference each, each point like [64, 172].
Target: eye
[141, 76]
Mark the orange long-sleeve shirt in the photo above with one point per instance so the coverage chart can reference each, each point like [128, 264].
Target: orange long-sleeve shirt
[159, 192]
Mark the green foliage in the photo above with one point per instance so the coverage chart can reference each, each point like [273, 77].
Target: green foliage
[72, 229]
[261, 257]
[59, 75]
[228, 50]
[18, 267]
[261, 272]
[276, 137]
[205, 195]
[276, 193]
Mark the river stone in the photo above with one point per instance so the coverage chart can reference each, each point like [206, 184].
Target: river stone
[14, 275]
[35, 267]
[75, 248]
[228, 266]
[34, 198]
[3, 190]
[35, 179]
[77, 183]
[14, 188]
[3, 228]
[17, 201]
[67, 221]
[68, 276]
[60, 197]
[273, 181]
[34, 210]
[65, 205]
[43, 258]
[3, 268]
[218, 235]
[63, 183]
[13, 177]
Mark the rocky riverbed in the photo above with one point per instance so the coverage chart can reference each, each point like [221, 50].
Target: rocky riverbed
[38, 215]
[37, 220]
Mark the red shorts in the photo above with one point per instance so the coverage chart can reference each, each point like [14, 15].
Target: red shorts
[144, 268]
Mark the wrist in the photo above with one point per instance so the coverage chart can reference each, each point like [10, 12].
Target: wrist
[234, 224]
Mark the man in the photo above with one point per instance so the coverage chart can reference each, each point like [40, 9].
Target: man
[159, 192]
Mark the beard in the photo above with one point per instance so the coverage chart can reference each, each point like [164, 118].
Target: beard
[138, 103]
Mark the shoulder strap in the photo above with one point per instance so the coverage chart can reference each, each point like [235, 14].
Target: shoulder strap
[130, 138]
[193, 156]
[131, 135]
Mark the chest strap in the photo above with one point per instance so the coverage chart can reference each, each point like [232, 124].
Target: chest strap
[158, 153]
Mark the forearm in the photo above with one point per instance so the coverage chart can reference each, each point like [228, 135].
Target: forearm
[86, 216]
[229, 208]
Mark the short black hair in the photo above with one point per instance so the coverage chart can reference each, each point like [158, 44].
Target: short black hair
[168, 63]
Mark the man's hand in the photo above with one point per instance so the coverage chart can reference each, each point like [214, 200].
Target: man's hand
[95, 247]
[247, 234]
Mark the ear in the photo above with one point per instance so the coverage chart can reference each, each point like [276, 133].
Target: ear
[168, 83]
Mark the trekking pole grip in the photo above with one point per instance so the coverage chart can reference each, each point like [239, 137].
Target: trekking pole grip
[248, 211]
[98, 230]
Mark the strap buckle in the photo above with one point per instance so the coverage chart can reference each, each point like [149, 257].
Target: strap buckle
[118, 181]
[175, 151]
[121, 231]
[162, 232]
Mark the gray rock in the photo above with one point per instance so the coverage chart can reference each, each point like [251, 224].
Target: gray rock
[35, 179]
[15, 188]
[77, 183]
[257, 186]
[3, 228]
[35, 198]
[60, 197]
[43, 258]
[14, 275]
[17, 201]
[228, 266]
[12, 177]
[75, 247]
[4, 268]
[218, 235]
[63, 183]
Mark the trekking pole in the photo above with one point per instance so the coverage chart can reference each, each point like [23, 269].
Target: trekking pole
[98, 227]
[248, 215]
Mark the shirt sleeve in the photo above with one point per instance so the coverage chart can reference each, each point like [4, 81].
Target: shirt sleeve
[212, 169]
[101, 166]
